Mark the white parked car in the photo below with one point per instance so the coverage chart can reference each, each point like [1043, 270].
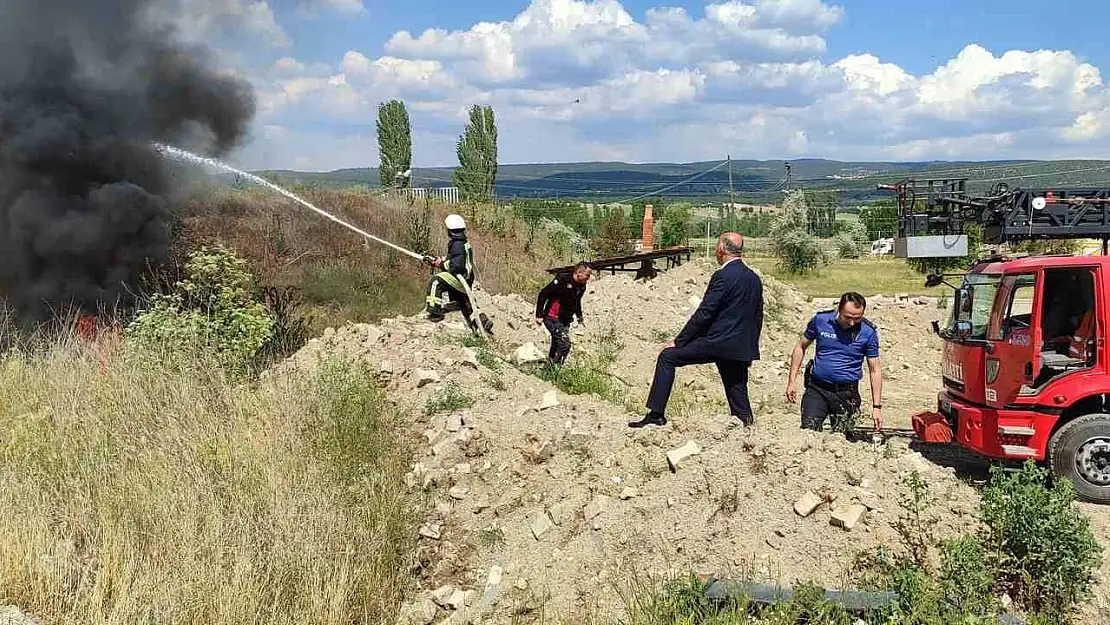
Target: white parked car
[882, 247]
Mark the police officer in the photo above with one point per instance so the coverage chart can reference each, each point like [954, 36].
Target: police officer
[844, 339]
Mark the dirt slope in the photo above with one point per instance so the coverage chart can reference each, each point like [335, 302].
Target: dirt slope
[544, 498]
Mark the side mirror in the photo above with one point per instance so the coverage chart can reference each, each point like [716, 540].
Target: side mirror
[963, 329]
[934, 279]
[936, 327]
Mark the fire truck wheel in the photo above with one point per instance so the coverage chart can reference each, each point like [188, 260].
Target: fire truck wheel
[1080, 450]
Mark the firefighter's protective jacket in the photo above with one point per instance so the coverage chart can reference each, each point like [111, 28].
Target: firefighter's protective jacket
[460, 257]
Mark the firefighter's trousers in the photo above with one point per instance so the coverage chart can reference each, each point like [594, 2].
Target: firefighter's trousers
[443, 286]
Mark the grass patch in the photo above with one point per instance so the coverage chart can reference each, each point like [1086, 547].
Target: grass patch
[450, 399]
[338, 291]
[588, 373]
[135, 495]
[869, 276]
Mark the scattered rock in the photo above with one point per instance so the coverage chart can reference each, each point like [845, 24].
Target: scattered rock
[853, 476]
[444, 447]
[807, 504]
[442, 595]
[676, 457]
[629, 492]
[425, 377]
[579, 437]
[848, 517]
[550, 400]
[458, 493]
[560, 512]
[528, 353]
[431, 530]
[469, 358]
[541, 451]
[694, 301]
[491, 595]
[454, 422]
[541, 525]
[419, 612]
[869, 500]
[385, 367]
[460, 599]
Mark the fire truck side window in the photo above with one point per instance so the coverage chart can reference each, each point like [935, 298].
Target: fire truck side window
[1018, 312]
[1068, 311]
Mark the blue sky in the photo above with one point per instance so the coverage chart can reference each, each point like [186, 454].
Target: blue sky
[652, 80]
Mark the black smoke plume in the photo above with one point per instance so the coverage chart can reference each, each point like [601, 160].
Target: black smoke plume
[85, 200]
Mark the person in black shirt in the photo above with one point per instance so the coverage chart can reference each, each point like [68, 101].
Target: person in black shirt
[557, 304]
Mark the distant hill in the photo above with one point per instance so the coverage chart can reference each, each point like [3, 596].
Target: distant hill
[752, 181]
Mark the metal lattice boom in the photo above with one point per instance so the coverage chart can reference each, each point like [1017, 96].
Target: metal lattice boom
[944, 207]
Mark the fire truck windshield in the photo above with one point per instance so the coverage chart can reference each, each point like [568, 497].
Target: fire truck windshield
[972, 303]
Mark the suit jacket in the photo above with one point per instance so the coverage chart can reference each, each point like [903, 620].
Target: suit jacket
[729, 320]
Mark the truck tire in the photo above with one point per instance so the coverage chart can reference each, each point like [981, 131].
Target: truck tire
[1080, 451]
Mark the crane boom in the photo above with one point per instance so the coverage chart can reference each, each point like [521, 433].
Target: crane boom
[933, 215]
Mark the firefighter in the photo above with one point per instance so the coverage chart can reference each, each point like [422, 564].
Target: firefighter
[845, 338]
[457, 267]
[558, 304]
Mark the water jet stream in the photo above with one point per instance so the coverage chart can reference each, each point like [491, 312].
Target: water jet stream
[185, 155]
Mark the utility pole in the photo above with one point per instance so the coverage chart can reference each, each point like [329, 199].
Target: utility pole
[710, 218]
[730, 207]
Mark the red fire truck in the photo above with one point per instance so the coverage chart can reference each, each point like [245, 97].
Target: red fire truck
[1025, 363]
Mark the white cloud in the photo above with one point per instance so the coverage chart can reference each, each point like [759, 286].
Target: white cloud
[201, 20]
[353, 7]
[343, 7]
[572, 79]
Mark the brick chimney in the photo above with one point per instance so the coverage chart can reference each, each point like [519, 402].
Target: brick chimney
[648, 229]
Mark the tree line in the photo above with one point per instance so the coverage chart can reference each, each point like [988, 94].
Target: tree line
[476, 148]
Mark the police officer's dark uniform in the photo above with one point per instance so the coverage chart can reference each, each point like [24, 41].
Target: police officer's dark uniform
[832, 377]
[558, 304]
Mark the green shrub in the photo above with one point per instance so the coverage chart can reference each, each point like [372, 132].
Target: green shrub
[798, 251]
[852, 239]
[212, 309]
[966, 576]
[1041, 546]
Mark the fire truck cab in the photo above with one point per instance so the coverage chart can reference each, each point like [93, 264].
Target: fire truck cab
[1025, 366]
[1025, 369]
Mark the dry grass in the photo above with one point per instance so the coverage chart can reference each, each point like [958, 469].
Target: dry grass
[145, 496]
[339, 274]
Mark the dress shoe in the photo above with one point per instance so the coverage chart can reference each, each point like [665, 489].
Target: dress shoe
[651, 418]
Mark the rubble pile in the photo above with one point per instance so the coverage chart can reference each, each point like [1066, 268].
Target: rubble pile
[540, 496]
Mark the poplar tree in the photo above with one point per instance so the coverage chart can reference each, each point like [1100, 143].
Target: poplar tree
[394, 143]
[477, 151]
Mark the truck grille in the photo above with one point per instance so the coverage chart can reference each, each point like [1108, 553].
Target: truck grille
[955, 386]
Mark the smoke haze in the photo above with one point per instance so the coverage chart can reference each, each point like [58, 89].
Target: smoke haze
[85, 86]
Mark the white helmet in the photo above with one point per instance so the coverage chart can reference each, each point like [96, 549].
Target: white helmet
[455, 222]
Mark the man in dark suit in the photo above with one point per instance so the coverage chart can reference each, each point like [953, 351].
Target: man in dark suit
[723, 330]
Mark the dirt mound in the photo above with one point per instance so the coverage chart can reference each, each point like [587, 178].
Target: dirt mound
[541, 498]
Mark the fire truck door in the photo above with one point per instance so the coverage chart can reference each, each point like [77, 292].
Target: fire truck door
[1014, 335]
